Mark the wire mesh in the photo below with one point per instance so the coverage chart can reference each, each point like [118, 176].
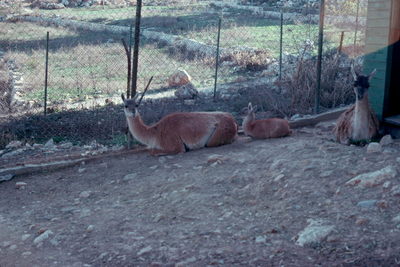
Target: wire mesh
[88, 68]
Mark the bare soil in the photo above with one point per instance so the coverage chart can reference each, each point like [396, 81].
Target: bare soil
[239, 204]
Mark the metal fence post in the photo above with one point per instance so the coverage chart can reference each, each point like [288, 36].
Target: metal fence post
[217, 59]
[46, 73]
[281, 47]
[356, 29]
[136, 48]
[129, 58]
[319, 62]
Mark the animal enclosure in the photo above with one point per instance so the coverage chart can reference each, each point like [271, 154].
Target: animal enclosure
[268, 55]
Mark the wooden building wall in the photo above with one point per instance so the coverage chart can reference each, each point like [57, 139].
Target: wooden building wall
[383, 28]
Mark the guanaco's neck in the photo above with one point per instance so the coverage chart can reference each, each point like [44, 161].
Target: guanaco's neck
[138, 129]
[362, 106]
[247, 121]
[361, 118]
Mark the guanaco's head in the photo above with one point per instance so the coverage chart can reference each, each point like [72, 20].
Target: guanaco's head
[130, 106]
[250, 111]
[361, 82]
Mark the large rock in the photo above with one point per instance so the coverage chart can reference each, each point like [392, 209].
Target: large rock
[386, 140]
[179, 78]
[187, 91]
[374, 147]
[373, 178]
[14, 144]
[316, 231]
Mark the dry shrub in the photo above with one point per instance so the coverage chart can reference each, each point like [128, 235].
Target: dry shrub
[249, 59]
[301, 84]
[6, 87]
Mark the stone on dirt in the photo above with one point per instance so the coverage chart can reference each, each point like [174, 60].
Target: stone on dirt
[374, 147]
[186, 91]
[25, 237]
[45, 235]
[14, 144]
[395, 190]
[373, 178]
[144, 250]
[130, 176]
[179, 78]
[261, 239]
[49, 143]
[316, 231]
[20, 185]
[6, 177]
[367, 204]
[396, 219]
[386, 140]
[84, 194]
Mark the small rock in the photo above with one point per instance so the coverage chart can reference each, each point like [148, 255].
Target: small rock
[395, 191]
[386, 140]
[386, 184]
[6, 177]
[84, 194]
[187, 91]
[26, 253]
[80, 170]
[316, 231]
[215, 159]
[45, 235]
[90, 228]
[144, 251]
[20, 185]
[186, 262]
[396, 219]
[5, 244]
[373, 178]
[49, 143]
[374, 147]
[66, 145]
[13, 153]
[361, 221]
[261, 239]
[12, 247]
[25, 237]
[130, 176]
[153, 167]
[279, 177]
[367, 204]
[326, 174]
[14, 144]
[179, 78]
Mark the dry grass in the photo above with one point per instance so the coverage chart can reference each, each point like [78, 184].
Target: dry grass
[6, 87]
[301, 84]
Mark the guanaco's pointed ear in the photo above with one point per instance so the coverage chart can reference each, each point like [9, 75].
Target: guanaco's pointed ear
[353, 72]
[249, 106]
[123, 97]
[255, 108]
[371, 74]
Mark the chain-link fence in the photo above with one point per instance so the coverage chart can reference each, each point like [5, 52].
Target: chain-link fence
[260, 51]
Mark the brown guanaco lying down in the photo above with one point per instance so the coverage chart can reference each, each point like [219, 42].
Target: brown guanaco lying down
[181, 132]
[358, 123]
[266, 128]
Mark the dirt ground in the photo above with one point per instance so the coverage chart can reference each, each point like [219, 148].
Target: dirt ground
[242, 204]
